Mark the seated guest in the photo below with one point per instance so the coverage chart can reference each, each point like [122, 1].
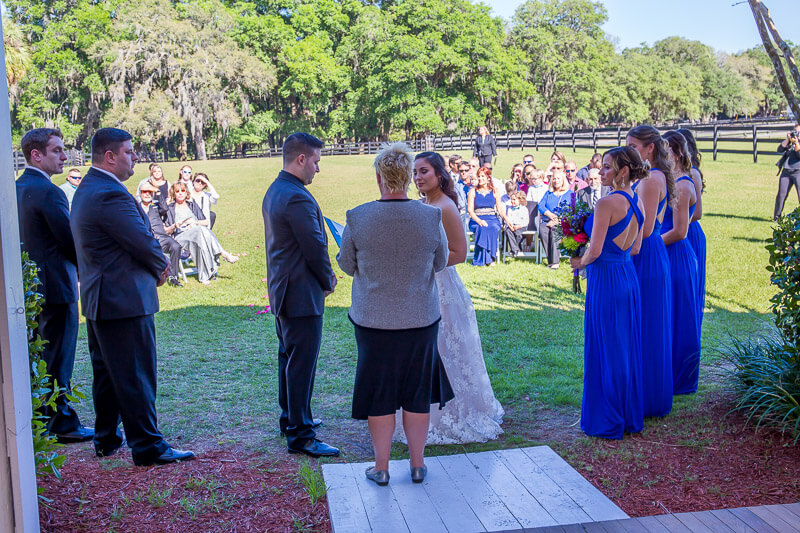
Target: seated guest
[185, 175]
[71, 185]
[163, 233]
[536, 190]
[205, 199]
[559, 195]
[557, 164]
[595, 162]
[527, 160]
[484, 207]
[518, 219]
[571, 170]
[193, 234]
[511, 187]
[157, 180]
[516, 175]
[398, 361]
[595, 190]
[454, 161]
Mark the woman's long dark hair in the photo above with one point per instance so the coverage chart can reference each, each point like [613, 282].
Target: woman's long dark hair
[436, 161]
[694, 154]
[661, 159]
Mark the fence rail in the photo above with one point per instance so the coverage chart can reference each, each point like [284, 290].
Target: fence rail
[762, 136]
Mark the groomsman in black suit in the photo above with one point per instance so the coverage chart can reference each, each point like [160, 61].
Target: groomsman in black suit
[121, 264]
[44, 230]
[300, 277]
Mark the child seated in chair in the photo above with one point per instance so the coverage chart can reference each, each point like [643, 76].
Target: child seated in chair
[517, 215]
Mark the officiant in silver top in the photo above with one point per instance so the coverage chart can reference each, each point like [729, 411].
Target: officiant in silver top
[393, 247]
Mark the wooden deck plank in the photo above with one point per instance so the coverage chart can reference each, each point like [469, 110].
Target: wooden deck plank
[418, 511]
[691, 522]
[712, 522]
[525, 508]
[379, 503]
[450, 504]
[652, 525]
[486, 505]
[793, 507]
[592, 501]
[732, 521]
[556, 502]
[625, 525]
[346, 509]
[787, 516]
[754, 521]
[672, 523]
[773, 519]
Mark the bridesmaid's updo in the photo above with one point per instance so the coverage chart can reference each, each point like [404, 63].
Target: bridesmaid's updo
[394, 164]
[627, 157]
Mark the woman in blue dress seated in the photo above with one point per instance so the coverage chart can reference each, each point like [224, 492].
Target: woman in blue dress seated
[484, 208]
[559, 195]
[683, 271]
[612, 354]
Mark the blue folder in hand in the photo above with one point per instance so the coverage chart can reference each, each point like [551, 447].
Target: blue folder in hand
[336, 230]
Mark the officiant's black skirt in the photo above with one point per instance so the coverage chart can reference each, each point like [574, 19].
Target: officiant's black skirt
[398, 368]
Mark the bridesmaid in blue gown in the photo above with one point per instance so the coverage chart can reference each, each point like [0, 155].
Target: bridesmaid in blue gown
[697, 237]
[683, 269]
[652, 269]
[484, 207]
[612, 353]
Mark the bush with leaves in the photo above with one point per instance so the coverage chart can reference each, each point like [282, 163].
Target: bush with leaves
[767, 370]
[45, 444]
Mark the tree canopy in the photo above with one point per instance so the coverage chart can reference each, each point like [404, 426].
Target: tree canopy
[191, 77]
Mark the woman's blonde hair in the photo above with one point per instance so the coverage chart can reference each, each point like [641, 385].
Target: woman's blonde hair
[394, 164]
[552, 186]
[178, 185]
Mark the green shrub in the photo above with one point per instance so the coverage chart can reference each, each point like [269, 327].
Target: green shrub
[45, 445]
[784, 266]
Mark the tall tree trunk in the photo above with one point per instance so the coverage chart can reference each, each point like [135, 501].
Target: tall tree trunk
[182, 148]
[199, 140]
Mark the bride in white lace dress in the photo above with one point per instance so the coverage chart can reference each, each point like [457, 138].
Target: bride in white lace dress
[474, 415]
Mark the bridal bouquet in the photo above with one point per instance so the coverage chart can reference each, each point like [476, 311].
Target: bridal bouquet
[571, 236]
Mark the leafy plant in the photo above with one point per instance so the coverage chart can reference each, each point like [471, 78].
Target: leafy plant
[312, 482]
[45, 445]
[784, 266]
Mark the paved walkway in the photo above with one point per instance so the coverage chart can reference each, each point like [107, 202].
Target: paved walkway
[506, 490]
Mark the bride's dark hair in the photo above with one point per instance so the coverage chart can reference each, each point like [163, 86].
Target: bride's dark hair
[436, 161]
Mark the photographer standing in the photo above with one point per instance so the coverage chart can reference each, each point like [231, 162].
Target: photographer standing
[789, 164]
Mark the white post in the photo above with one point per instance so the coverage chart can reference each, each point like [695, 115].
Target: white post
[18, 499]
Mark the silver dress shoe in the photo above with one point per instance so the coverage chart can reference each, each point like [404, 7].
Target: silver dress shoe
[418, 473]
[381, 477]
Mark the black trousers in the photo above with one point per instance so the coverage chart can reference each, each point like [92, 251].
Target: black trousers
[788, 179]
[123, 356]
[213, 216]
[550, 244]
[299, 340]
[58, 325]
[172, 248]
[485, 159]
[514, 239]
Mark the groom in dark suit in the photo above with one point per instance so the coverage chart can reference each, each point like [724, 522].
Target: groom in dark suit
[300, 277]
[44, 231]
[120, 263]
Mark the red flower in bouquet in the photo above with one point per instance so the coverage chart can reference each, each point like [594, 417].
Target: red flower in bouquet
[581, 238]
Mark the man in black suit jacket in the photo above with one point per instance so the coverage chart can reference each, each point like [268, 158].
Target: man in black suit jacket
[121, 264]
[595, 190]
[44, 230]
[300, 277]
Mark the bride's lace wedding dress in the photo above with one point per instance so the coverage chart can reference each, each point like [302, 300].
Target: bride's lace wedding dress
[474, 415]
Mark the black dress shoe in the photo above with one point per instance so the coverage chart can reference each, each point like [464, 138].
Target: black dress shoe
[170, 456]
[175, 282]
[315, 448]
[317, 422]
[81, 434]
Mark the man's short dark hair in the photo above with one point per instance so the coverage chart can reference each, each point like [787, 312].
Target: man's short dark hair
[300, 143]
[106, 139]
[455, 158]
[37, 139]
[596, 157]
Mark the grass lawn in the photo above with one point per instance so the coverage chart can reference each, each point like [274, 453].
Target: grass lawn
[217, 356]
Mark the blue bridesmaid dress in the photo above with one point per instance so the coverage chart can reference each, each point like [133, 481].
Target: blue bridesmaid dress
[652, 269]
[685, 302]
[697, 238]
[486, 237]
[612, 353]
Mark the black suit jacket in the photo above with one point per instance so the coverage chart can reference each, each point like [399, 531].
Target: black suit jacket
[44, 230]
[298, 267]
[118, 256]
[486, 147]
[585, 195]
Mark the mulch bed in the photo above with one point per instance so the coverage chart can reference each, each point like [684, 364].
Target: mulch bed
[693, 461]
[218, 491]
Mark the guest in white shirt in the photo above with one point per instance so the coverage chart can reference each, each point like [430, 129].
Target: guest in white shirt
[205, 198]
[511, 187]
[71, 185]
[536, 190]
[518, 219]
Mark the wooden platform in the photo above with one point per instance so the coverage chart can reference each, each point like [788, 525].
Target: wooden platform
[507, 490]
[763, 519]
